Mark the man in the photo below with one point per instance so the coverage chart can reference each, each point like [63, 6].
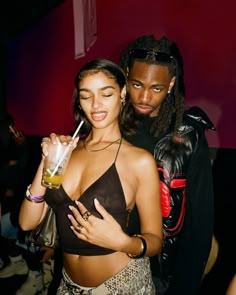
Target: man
[176, 138]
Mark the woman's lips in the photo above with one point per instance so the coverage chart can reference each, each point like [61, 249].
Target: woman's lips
[98, 116]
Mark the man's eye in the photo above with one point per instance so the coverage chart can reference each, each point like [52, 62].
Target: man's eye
[136, 85]
[157, 89]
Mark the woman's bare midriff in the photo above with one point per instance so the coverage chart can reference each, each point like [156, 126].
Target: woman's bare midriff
[92, 271]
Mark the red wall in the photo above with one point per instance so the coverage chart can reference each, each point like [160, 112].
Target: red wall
[42, 65]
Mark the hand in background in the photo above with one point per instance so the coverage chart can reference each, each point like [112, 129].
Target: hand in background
[48, 253]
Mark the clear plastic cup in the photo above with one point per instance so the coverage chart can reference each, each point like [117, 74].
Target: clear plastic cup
[55, 164]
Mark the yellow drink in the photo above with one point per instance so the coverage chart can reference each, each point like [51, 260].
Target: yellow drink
[52, 181]
[55, 164]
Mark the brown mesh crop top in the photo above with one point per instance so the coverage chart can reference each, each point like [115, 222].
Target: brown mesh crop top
[109, 192]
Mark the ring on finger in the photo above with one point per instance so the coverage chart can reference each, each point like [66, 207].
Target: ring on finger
[86, 215]
[78, 228]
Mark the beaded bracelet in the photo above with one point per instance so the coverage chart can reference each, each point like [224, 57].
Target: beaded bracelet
[31, 198]
[143, 250]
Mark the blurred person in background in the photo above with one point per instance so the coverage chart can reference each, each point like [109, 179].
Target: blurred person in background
[14, 247]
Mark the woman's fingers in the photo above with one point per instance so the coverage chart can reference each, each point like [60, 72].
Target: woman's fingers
[103, 212]
[76, 219]
[44, 145]
[54, 138]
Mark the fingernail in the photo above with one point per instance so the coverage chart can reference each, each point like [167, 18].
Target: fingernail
[96, 201]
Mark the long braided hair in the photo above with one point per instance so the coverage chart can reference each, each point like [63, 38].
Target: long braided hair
[172, 108]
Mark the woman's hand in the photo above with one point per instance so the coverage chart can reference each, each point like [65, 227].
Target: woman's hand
[104, 232]
[55, 138]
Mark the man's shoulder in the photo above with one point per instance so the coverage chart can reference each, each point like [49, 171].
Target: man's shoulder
[197, 119]
[188, 137]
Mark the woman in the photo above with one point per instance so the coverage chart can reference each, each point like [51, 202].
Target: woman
[106, 176]
[231, 290]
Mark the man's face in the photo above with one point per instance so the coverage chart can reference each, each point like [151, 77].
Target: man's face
[148, 87]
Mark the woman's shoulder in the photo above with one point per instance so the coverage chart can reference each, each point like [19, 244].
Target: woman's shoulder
[138, 154]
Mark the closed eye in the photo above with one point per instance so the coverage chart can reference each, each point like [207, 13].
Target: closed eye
[84, 97]
[107, 95]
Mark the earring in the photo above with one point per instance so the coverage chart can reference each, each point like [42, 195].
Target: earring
[169, 91]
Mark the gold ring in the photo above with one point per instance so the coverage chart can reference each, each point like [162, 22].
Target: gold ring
[86, 215]
[78, 228]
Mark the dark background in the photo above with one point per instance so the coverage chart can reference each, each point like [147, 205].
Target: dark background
[38, 37]
[37, 69]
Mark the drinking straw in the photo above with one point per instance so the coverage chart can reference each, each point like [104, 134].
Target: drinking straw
[13, 131]
[66, 150]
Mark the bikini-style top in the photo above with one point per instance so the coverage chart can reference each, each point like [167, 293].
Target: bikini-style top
[109, 192]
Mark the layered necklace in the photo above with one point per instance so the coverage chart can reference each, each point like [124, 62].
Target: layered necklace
[101, 149]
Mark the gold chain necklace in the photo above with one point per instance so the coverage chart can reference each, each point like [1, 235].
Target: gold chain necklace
[98, 150]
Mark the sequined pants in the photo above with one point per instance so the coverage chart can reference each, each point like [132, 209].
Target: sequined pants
[134, 279]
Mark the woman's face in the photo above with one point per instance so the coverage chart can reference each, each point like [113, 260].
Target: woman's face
[100, 99]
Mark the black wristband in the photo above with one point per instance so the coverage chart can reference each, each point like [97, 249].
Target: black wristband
[144, 248]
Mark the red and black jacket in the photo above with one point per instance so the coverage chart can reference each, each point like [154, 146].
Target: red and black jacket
[186, 198]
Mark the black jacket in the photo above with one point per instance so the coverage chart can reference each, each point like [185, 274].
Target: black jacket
[187, 201]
